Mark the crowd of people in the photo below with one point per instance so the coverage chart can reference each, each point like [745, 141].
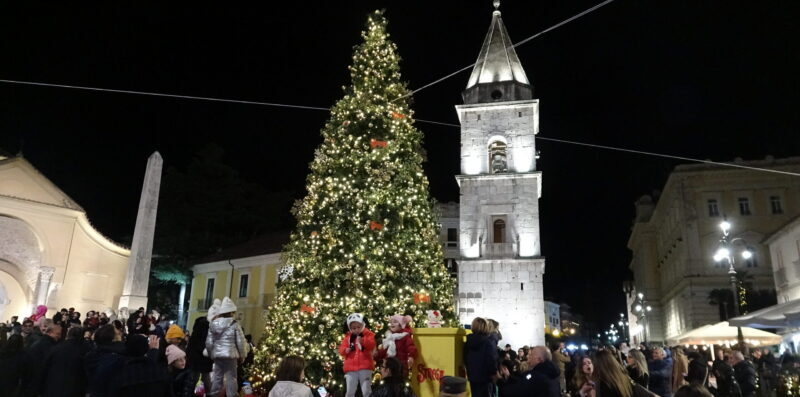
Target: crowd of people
[110, 354]
[616, 372]
[106, 354]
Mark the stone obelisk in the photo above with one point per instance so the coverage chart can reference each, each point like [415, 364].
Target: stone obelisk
[134, 292]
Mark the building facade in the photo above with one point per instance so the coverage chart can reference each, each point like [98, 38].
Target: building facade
[675, 235]
[500, 267]
[247, 273]
[50, 254]
[552, 312]
[784, 252]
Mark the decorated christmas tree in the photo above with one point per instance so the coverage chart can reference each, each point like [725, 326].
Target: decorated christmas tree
[367, 236]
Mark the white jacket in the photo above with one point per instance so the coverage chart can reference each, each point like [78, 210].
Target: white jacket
[226, 339]
[287, 388]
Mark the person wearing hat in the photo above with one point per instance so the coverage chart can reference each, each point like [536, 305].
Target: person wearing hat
[173, 337]
[184, 379]
[453, 386]
[227, 346]
[356, 349]
[399, 342]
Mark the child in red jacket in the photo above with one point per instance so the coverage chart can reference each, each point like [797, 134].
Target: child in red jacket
[356, 349]
[398, 342]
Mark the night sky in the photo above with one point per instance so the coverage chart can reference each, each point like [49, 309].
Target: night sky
[701, 79]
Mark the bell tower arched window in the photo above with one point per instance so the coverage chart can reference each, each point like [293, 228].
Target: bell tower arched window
[499, 231]
[498, 162]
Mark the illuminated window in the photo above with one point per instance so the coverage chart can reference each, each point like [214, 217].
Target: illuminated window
[497, 157]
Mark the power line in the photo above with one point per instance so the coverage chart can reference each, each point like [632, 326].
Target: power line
[284, 105]
[158, 94]
[669, 156]
[564, 22]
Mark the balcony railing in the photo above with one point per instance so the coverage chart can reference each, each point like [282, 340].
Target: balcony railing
[499, 250]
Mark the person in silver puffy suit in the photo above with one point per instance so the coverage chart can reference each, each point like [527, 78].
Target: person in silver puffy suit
[227, 346]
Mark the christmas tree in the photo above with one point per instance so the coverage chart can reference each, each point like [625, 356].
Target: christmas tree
[367, 237]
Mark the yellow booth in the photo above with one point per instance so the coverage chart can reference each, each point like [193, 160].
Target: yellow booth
[440, 353]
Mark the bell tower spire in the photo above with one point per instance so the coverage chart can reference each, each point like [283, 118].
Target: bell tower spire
[498, 75]
[500, 267]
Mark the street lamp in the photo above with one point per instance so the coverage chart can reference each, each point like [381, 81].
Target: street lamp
[640, 309]
[724, 253]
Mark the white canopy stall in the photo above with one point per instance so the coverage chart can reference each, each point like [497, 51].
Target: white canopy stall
[724, 334]
[784, 316]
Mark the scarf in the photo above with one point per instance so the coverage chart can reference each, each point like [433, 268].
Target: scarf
[389, 342]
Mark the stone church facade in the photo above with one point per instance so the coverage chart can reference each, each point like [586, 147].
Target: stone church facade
[50, 254]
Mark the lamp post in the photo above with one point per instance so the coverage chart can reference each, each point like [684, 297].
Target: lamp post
[641, 308]
[626, 330]
[725, 253]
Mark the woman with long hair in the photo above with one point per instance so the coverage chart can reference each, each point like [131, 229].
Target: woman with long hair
[680, 366]
[610, 376]
[393, 384]
[582, 384]
[637, 368]
[290, 376]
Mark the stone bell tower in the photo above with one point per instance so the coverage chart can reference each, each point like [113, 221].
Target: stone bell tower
[501, 267]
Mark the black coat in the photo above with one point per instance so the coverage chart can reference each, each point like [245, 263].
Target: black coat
[604, 391]
[480, 358]
[141, 377]
[12, 369]
[640, 377]
[184, 382]
[745, 375]
[100, 366]
[35, 358]
[541, 381]
[197, 343]
[726, 383]
[62, 373]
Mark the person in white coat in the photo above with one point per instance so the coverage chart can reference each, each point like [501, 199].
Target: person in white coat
[290, 375]
[227, 346]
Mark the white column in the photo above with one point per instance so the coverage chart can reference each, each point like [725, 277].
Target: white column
[181, 297]
[134, 292]
[43, 284]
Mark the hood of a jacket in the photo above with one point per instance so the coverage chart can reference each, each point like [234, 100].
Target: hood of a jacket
[219, 325]
[548, 369]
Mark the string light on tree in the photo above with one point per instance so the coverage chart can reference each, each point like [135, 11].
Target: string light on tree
[367, 237]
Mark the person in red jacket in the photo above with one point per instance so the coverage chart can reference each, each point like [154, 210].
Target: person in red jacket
[399, 342]
[356, 349]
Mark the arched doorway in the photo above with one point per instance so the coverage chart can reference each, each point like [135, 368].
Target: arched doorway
[13, 299]
[20, 265]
